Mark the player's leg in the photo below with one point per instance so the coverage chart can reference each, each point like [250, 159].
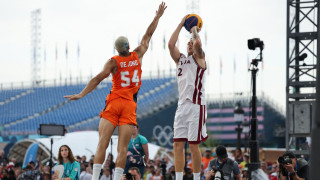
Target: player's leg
[196, 157]
[180, 136]
[196, 134]
[127, 120]
[179, 159]
[125, 133]
[106, 129]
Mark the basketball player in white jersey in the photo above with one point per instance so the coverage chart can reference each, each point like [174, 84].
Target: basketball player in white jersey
[189, 123]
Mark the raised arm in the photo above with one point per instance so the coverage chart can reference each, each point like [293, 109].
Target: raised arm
[109, 67]
[197, 47]
[174, 51]
[144, 44]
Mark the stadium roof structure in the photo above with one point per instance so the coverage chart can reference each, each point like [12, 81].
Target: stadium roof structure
[81, 143]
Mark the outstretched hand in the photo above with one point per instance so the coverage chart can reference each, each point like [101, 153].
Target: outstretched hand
[184, 19]
[161, 9]
[73, 97]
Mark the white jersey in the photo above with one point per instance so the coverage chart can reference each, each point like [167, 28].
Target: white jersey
[191, 79]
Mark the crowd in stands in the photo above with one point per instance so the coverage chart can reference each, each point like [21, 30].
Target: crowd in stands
[159, 168]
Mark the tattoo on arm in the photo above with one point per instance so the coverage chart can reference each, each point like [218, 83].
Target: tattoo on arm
[195, 34]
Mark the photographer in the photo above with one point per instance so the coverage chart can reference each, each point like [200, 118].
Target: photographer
[133, 174]
[293, 168]
[223, 168]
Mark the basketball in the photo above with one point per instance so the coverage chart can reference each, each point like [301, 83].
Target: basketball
[192, 20]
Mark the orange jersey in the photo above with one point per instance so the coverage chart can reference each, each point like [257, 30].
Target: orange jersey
[127, 80]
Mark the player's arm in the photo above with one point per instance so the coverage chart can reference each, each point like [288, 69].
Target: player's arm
[144, 44]
[197, 46]
[174, 51]
[108, 68]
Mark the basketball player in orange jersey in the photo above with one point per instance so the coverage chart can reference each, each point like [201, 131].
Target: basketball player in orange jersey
[189, 122]
[121, 103]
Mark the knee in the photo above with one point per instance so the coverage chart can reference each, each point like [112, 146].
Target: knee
[178, 146]
[194, 148]
[123, 151]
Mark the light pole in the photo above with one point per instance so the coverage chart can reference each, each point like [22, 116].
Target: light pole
[238, 117]
[245, 130]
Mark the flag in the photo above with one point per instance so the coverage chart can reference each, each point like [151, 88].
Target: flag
[66, 50]
[220, 66]
[56, 51]
[248, 61]
[234, 64]
[44, 55]
[205, 38]
[78, 51]
[164, 42]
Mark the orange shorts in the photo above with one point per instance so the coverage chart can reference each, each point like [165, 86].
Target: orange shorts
[120, 111]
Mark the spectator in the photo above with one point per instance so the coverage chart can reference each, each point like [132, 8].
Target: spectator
[46, 176]
[138, 153]
[151, 172]
[78, 158]
[106, 174]
[238, 155]
[157, 175]
[207, 158]
[171, 173]
[223, 165]
[264, 167]
[71, 166]
[83, 159]
[245, 161]
[3, 159]
[188, 175]
[87, 174]
[10, 175]
[112, 165]
[157, 163]
[298, 168]
[273, 173]
[29, 173]
[245, 173]
[1, 171]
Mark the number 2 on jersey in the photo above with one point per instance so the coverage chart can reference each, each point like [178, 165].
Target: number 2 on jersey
[180, 72]
[135, 78]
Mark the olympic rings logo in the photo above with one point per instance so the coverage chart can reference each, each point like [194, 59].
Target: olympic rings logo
[163, 135]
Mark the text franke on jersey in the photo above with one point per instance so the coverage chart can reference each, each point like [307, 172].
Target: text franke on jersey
[130, 63]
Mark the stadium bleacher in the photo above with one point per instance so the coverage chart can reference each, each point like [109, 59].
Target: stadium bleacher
[46, 105]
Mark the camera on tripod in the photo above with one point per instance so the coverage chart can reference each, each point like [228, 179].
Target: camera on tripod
[254, 43]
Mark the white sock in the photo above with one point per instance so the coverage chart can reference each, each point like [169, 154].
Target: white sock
[196, 176]
[118, 172]
[179, 175]
[96, 171]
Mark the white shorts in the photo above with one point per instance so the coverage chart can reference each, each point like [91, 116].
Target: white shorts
[190, 123]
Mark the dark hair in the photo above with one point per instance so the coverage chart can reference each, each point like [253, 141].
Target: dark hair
[70, 155]
[135, 169]
[289, 154]
[221, 152]
[137, 126]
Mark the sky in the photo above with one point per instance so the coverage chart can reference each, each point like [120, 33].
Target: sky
[93, 25]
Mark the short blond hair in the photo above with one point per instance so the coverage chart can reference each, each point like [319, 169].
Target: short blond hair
[121, 44]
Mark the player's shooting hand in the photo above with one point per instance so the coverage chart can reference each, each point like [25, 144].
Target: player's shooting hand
[161, 9]
[195, 27]
[73, 97]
